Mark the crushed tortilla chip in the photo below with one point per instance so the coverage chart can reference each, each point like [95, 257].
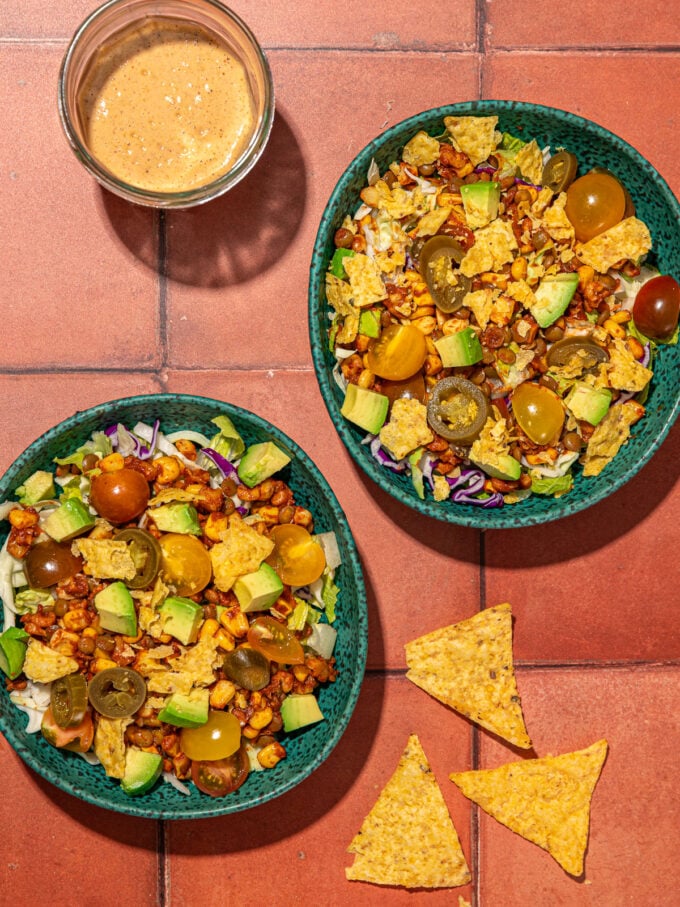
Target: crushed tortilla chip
[480, 302]
[546, 801]
[365, 280]
[529, 159]
[609, 437]
[348, 329]
[421, 149]
[629, 239]
[624, 371]
[407, 429]
[241, 552]
[408, 837]
[492, 443]
[431, 222]
[106, 558]
[43, 665]
[468, 666]
[474, 136]
[555, 220]
[493, 247]
[109, 744]
[339, 295]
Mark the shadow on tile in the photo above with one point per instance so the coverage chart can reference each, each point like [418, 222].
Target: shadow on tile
[239, 235]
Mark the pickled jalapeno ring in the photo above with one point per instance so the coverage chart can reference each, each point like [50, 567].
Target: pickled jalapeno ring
[146, 553]
[590, 353]
[68, 700]
[435, 263]
[247, 668]
[117, 692]
[457, 410]
[560, 171]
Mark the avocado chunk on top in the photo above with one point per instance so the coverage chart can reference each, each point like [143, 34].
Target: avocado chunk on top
[300, 709]
[142, 770]
[116, 609]
[186, 709]
[70, 519]
[365, 408]
[260, 461]
[459, 349]
[480, 201]
[588, 404]
[259, 590]
[505, 467]
[180, 518]
[553, 295]
[181, 618]
[37, 487]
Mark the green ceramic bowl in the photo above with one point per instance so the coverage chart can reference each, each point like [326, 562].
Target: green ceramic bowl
[656, 205]
[306, 749]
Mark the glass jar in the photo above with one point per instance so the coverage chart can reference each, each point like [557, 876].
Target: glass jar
[122, 28]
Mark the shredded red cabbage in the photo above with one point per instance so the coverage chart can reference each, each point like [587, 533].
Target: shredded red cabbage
[384, 458]
[227, 469]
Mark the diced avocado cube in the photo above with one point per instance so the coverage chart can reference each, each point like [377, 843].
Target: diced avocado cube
[259, 590]
[70, 519]
[180, 518]
[369, 323]
[142, 770]
[505, 467]
[13, 651]
[186, 710]
[553, 295]
[459, 349]
[260, 461]
[116, 609]
[37, 487]
[300, 709]
[337, 263]
[181, 618]
[365, 408]
[480, 201]
[589, 404]
[417, 473]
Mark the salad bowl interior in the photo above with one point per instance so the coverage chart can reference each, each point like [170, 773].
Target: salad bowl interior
[655, 204]
[306, 749]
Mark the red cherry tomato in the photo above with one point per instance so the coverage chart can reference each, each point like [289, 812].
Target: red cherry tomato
[119, 496]
[656, 308]
[50, 562]
[595, 202]
[274, 640]
[78, 739]
[220, 777]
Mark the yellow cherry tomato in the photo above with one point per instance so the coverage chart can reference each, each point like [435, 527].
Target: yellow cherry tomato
[296, 557]
[185, 563]
[218, 738]
[539, 412]
[398, 353]
[595, 202]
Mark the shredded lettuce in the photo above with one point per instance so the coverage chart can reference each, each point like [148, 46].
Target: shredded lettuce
[27, 601]
[99, 444]
[329, 595]
[557, 485]
[227, 442]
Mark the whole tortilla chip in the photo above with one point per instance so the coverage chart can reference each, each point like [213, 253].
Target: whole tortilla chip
[468, 666]
[546, 801]
[408, 837]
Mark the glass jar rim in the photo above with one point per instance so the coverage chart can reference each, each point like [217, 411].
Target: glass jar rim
[178, 198]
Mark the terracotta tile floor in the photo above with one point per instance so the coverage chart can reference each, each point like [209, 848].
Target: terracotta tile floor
[88, 315]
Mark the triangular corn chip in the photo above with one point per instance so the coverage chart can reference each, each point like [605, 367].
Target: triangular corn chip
[408, 837]
[468, 666]
[546, 801]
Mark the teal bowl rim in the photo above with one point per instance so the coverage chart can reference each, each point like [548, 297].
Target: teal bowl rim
[207, 806]
[461, 514]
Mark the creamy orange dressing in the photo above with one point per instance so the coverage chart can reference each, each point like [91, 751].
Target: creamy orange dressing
[165, 106]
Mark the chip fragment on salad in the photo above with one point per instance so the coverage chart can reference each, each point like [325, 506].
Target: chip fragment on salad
[181, 642]
[521, 270]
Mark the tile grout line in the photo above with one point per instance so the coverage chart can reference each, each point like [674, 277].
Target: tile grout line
[163, 867]
[162, 245]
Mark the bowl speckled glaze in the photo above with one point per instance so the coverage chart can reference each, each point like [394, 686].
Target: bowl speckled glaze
[655, 204]
[306, 749]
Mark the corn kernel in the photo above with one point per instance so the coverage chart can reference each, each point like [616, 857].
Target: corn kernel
[225, 640]
[101, 664]
[216, 526]
[250, 733]
[366, 378]
[22, 519]
[169, 470]
[261, 718]
[76, 620]
[271, 755]
[112, 463]
[613, 329]
[222, 694]
[209, 629]
[621, 317]
[235, 621]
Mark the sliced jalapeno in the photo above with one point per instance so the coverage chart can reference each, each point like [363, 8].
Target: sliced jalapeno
[146, 553]
[457, 410]
[559, 172]
[563, 351]
[117, 692]
[68, 699]
[247, 667]
[447, 286]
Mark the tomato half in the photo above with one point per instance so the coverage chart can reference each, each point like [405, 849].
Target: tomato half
[119, 496]
[185, 563]
[275, 640]
[398, 353]
[595, 202]
[218, 738]
[296, 557]
[220, 777]
[50, 562]
[77, 739]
